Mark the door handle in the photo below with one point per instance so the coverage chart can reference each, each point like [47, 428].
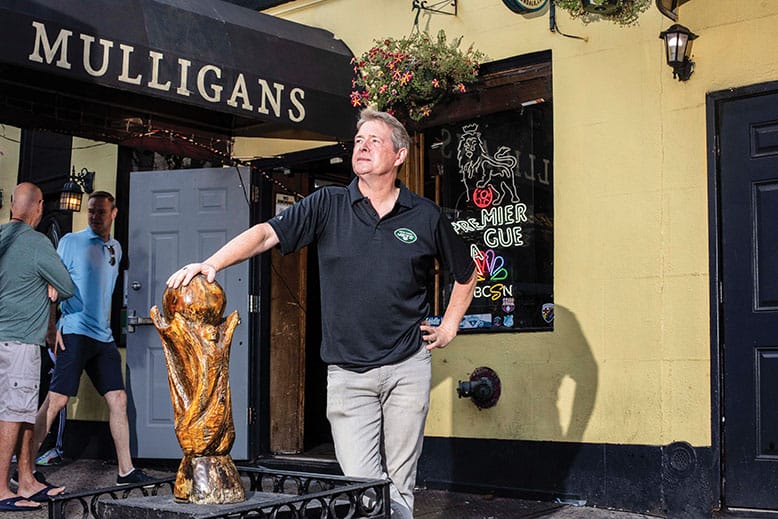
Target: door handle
[134, 320]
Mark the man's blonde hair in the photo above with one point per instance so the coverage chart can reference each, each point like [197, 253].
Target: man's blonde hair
[400, 137]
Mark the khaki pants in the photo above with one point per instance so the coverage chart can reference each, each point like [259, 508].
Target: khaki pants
[377, 421]
[20, 372]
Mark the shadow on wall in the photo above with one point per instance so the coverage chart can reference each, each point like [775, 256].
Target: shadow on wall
[568, 390]
[564, 394]
[549, 387]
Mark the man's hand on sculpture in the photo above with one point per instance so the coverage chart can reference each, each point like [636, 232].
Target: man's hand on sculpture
[184, 275]
[53, 294]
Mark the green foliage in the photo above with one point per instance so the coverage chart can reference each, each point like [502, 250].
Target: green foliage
[407, 77]
[626, 14]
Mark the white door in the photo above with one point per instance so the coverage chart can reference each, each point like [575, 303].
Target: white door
[178, 217]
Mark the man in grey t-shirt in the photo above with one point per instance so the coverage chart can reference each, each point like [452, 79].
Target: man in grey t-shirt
[31, 274]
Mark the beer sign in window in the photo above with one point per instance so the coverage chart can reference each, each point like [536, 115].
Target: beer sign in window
[494, 178]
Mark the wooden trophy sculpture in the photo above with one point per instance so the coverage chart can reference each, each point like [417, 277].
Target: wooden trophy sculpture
[196, 341]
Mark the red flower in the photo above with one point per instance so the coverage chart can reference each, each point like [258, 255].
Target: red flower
[403, 76]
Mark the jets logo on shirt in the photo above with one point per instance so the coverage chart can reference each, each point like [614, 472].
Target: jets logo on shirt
[405, 235]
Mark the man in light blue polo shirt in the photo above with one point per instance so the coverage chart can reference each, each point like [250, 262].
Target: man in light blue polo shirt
[84, 338]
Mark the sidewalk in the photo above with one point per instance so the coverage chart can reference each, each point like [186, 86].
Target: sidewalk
[82, 475]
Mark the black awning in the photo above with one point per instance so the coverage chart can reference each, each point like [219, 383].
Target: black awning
[259, 74]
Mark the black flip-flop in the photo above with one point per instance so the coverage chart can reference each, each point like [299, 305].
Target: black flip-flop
[42, 496]
[9, 505]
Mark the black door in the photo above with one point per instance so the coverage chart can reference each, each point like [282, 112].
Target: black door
[749, 313]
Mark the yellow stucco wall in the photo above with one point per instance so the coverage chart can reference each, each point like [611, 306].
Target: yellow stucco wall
[9, 166]
[629, 361]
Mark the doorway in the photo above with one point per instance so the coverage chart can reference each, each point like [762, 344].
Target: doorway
[746, 271]
[299, 433]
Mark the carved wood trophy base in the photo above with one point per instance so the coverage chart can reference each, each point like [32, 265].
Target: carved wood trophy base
[208, 480]
[196, 341]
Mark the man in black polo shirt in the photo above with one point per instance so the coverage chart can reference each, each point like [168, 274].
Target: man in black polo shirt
[377, 243]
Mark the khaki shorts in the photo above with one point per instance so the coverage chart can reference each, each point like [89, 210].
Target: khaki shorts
[20, 366]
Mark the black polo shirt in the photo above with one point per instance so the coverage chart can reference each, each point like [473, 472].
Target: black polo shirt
[374, 273]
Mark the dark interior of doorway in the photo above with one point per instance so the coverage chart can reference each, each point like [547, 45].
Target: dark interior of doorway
[318, 438]
[329, 165]
[317, 435]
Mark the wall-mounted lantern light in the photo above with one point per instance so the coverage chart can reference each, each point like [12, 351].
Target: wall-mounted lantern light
[70, 197]
[678, 47]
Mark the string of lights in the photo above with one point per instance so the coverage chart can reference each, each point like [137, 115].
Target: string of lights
[209, 148]
[225, 156]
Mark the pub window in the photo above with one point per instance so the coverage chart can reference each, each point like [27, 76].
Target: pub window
[493, 175]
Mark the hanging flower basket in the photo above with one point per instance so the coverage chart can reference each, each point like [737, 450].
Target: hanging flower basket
[407, 77]
[620, 12]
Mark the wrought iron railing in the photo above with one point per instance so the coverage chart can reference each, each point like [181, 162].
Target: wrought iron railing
[286, 494]
[85, 504]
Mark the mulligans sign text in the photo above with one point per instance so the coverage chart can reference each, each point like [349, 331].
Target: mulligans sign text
[141, 69]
